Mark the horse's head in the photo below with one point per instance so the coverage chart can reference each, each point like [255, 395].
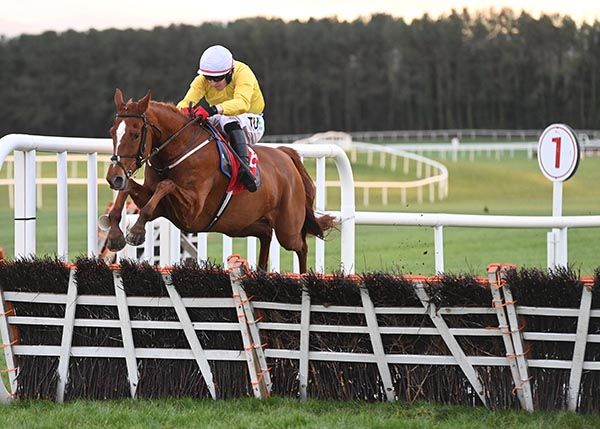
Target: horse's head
[131, 139]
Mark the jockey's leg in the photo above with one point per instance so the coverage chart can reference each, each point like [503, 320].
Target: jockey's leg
[238, 143]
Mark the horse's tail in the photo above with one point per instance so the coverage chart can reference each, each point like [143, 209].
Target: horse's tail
[312, 225]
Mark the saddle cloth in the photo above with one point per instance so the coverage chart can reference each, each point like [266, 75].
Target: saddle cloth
[229, 164]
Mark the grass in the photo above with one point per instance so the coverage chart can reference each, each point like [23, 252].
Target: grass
[509, 186]
[277, 413]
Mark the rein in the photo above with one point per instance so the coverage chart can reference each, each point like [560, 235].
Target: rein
[170, 139]
[140, 160]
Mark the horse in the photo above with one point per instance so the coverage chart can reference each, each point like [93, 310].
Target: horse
[183, 183]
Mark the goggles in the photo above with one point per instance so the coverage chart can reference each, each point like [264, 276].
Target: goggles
[215, 78]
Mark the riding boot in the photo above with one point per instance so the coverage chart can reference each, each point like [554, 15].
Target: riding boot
[238, 143]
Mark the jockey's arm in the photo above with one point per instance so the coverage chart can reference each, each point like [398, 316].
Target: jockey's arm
[194, 94]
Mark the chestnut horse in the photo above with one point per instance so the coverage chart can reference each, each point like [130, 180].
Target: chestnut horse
[183, 183]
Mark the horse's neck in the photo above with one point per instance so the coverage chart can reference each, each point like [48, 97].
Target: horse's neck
[171, 124]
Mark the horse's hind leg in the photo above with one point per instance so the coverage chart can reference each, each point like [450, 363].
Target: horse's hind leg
[303, 255]
[289, 225]
[288, 228]
[265, 242]
[264, 232]
[263, 256]
[294, 242]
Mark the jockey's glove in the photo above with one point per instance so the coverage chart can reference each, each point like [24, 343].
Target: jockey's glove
[200, 111]
[205, 112]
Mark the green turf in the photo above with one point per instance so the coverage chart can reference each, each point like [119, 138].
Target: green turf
[276, 413]
[509, 186]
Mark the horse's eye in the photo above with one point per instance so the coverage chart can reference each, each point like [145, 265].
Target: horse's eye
[136, 136]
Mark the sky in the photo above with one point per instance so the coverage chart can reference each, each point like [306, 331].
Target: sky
[36, 16]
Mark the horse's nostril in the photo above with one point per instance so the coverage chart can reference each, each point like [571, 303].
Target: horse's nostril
[117, 182]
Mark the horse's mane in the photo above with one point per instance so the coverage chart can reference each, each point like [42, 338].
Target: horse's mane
[168, 106]
[168, 110]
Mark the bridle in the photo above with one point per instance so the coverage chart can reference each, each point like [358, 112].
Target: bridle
[140, 160]
[139, 156]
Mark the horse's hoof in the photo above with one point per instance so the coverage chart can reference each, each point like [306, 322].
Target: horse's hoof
[135, 239]
[114, 245]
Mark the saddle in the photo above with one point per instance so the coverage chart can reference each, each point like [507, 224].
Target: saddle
[229, 164]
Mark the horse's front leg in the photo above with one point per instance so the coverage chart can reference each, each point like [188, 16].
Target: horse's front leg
[137, 233]
[140, 195]
[116, 240]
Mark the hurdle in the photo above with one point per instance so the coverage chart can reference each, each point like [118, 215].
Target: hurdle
[92, 331]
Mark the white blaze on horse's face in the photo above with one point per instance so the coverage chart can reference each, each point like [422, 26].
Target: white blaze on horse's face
[120, 133]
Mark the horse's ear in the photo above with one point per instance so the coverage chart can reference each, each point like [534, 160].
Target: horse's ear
[143, 103]
[118, 98]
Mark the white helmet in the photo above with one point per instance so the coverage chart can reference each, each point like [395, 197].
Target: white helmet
[216, 61]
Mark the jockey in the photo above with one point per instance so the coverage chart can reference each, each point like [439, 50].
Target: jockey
[230, 100]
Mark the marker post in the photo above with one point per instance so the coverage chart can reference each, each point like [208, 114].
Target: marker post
[558, 158]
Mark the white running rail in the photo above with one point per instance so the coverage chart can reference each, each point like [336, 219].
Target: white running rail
[26, 146]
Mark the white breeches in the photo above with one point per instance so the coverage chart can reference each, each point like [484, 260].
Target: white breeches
[253, 125]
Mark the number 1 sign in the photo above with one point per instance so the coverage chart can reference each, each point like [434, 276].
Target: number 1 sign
[558, 156]
[558, 152]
